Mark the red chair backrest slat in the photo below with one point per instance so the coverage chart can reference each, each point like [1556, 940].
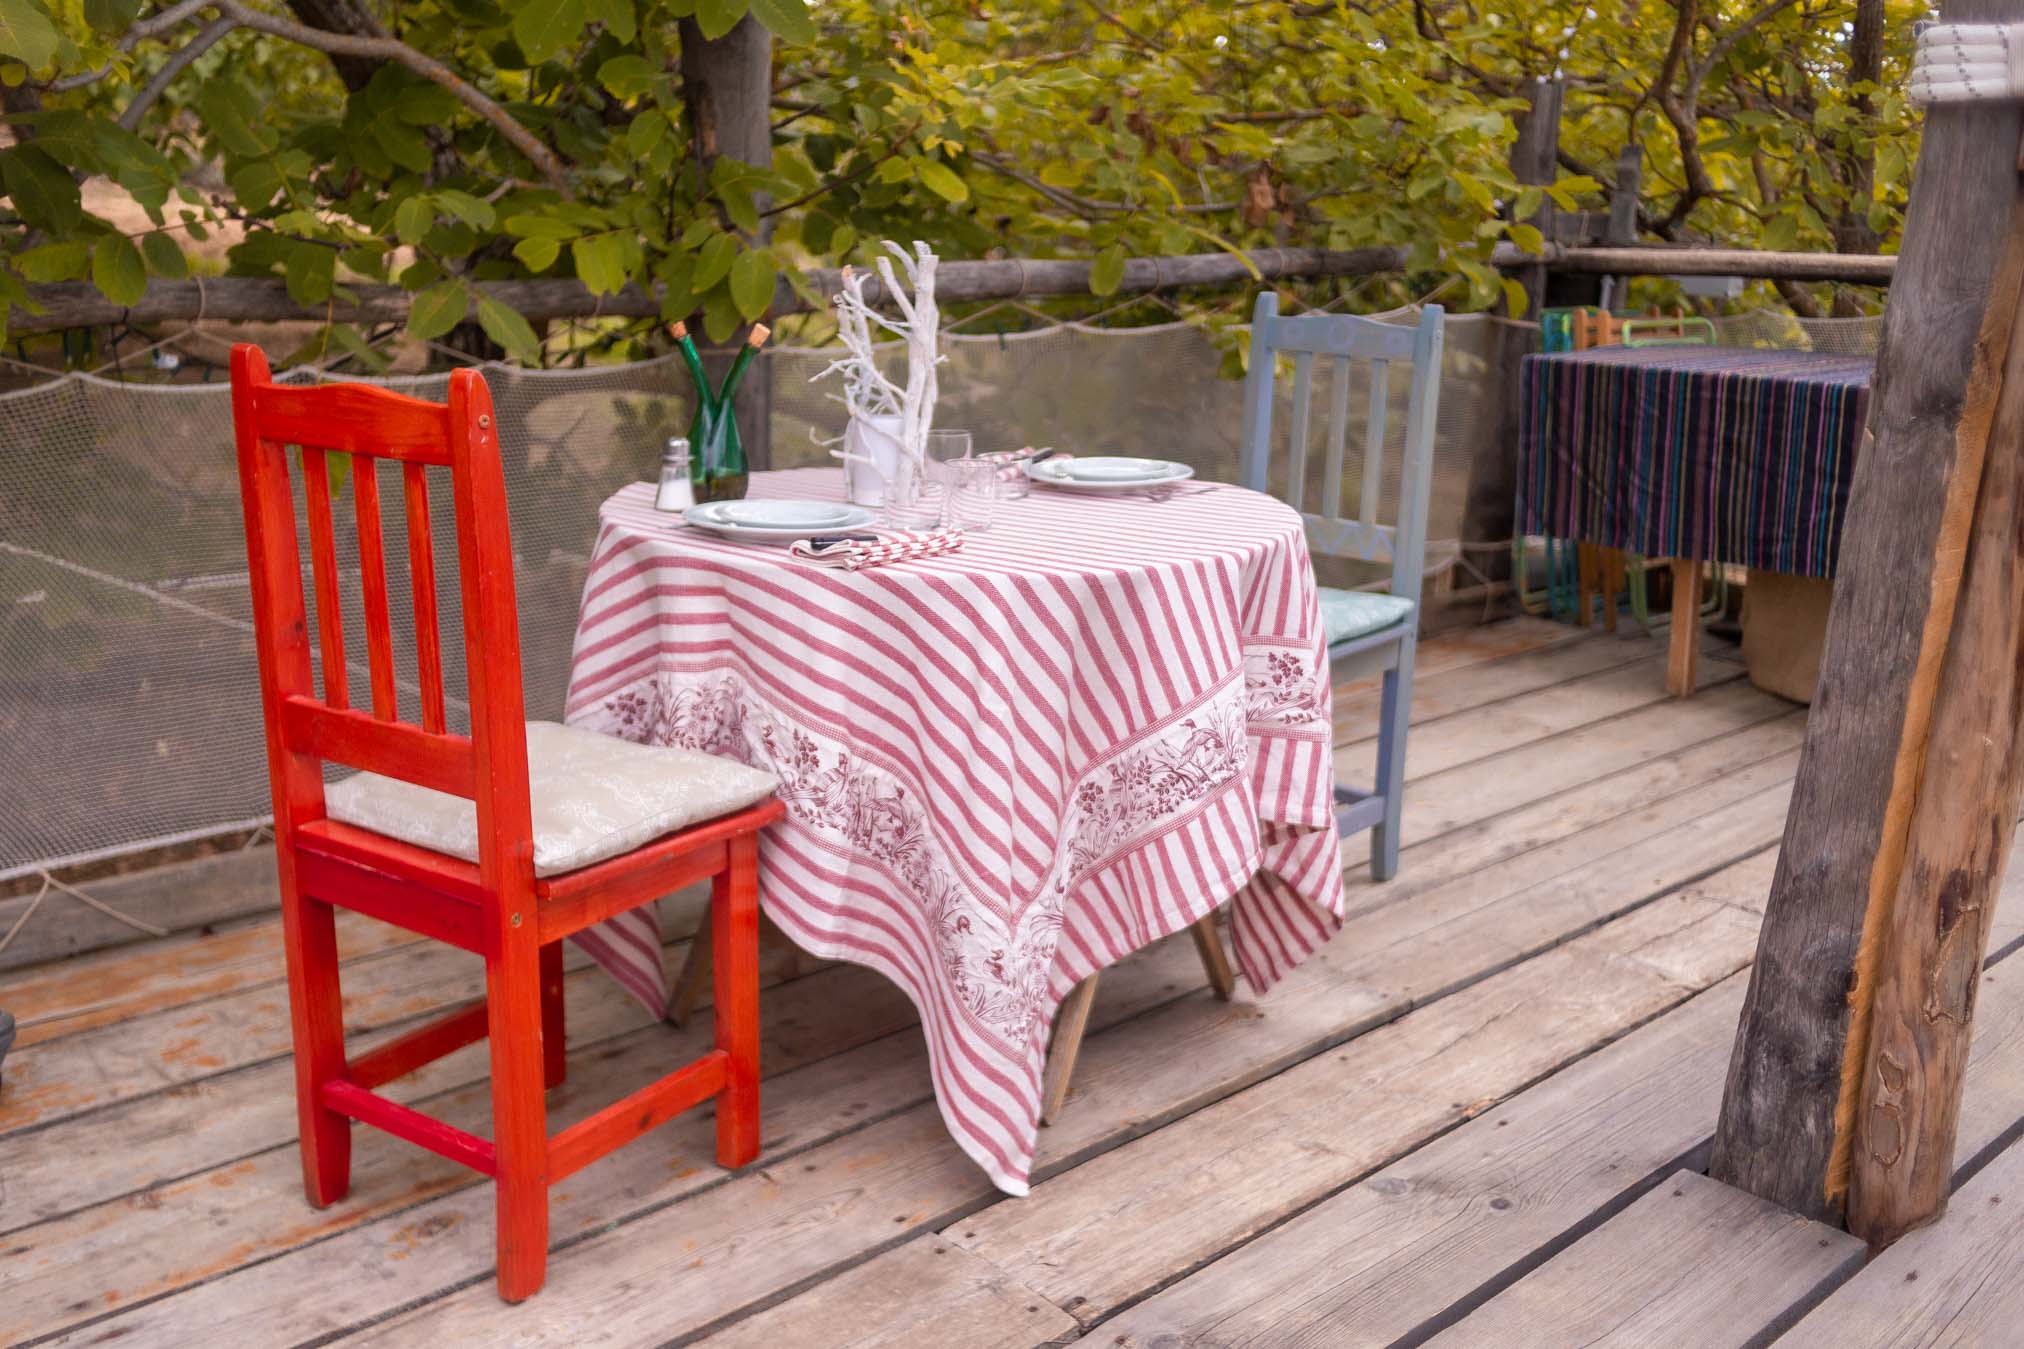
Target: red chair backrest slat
[370, 424]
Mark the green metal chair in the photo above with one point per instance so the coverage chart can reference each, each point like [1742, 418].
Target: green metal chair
[1681, 331]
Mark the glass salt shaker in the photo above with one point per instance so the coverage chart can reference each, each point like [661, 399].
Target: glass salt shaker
[676, 493]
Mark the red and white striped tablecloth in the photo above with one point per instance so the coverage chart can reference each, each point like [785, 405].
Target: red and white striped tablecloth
[1004, 768]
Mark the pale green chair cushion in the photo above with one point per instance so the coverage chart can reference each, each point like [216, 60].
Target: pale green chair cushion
[593, 797]
[1358, 613]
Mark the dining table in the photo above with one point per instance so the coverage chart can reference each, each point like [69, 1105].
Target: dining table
[1693, 454]
[1005, 767]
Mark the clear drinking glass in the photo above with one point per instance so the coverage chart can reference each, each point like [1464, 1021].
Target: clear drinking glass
[975, 488]
[946, 449]
[1013, 484]
[912, 501]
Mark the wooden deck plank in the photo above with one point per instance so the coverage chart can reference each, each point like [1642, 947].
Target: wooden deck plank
[1391, 1254]
[219, 1119]
[81, 993]
[1519, 777]
[903, 1174]
[1483, 731]
[1486, 643]
[903, 1167]
[838, 1044]
[97, 990]
[180, 1044]
[1692, 1262]
[217, 1122]
[1445, 692]
[1426, 1241]
[926, 1292]
[180, 1233]
[1468, 842]
[1954, 1283]
[827, 1114]
[1551, 856]
[1120, 1225]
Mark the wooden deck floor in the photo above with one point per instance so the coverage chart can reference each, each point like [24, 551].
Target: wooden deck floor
[1476, 1117]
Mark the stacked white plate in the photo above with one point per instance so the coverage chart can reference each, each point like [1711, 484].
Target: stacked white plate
[1108, 473]
[776, 521]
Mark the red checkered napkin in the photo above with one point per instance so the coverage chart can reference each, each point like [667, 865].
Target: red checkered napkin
[891, 547]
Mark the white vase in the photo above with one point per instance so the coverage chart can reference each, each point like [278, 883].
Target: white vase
[872, 445]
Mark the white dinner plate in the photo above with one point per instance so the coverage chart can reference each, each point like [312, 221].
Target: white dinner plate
[720, 517]
[1109, 469]
[1107, 473]
[764, 514]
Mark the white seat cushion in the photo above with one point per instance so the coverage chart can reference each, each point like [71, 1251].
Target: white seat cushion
[594, 796]
[1358, 613]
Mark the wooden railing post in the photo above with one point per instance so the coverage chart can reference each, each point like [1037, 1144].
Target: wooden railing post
[1848, 1057]
[1535, 158]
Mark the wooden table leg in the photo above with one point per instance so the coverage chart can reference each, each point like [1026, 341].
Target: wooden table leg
[694, 974]
[1612, 572]
[1584, 583]
[1215, 960]
[1686, 642]
[790, 962]
[1067, 1045]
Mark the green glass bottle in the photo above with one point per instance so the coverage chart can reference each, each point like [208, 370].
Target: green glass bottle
[717, 466]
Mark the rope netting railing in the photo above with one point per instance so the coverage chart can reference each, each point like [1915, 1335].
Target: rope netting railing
[129, 706]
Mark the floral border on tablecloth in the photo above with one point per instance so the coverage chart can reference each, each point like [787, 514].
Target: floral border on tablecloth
[998, 964]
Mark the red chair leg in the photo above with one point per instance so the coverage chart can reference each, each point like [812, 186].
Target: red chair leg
[734, 937]
[554, 1054]
[316, 1009]
[519, 1115]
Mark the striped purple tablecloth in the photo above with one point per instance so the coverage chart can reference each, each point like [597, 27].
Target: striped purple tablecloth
[1725, 454]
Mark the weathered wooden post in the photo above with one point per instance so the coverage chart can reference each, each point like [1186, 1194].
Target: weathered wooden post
[1535, 161]
[1845, 1083]
[1622, 228]
[1490, 507]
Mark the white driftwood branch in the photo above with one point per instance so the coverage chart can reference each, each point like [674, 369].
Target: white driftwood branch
[867, 392]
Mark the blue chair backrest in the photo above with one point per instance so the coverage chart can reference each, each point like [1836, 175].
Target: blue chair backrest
[1345, 341]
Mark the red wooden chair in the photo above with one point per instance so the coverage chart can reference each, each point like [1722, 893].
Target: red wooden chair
[500, 901]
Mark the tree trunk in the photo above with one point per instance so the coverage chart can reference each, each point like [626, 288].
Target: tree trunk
[344, 16]
[1852, 233]
[727, 87]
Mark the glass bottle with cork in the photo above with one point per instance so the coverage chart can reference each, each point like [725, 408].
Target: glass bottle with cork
[717, 466]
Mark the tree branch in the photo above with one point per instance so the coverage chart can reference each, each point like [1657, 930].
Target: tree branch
[1087, 207]
[174, 66]
[236, 14]
[1727, 42]
[137, 32]
[393, 49]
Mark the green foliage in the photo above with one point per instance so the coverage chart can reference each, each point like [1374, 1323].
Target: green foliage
[1028, 129]
[27, 33]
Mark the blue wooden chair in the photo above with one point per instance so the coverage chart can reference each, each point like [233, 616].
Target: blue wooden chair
[1367, 633]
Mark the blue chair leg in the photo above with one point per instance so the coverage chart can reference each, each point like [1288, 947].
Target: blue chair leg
[1391, 763]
